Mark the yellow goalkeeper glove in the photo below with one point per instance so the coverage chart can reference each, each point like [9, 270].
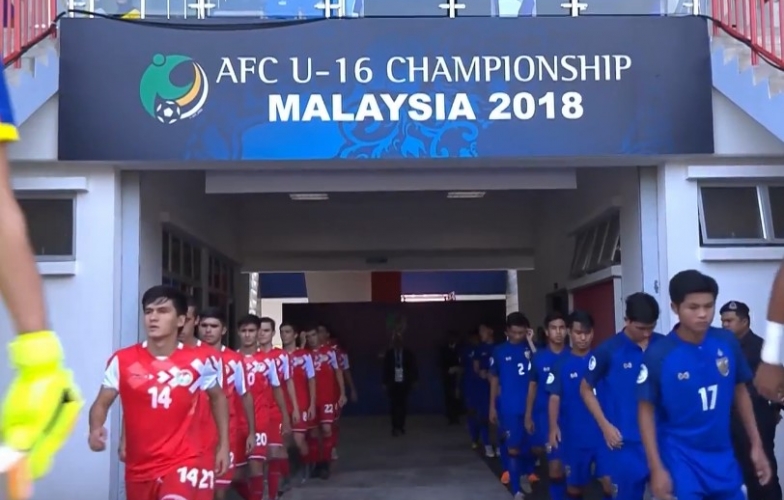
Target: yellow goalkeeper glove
[40, 409]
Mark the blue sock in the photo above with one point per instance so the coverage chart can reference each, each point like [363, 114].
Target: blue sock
[503, 451]
[527, 464]
[484, 434]
[473, 429]
[557, 489]
[514, 474]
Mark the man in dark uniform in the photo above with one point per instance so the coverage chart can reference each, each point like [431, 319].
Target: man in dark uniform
[735, 317]
[450, 377]
[399, 376]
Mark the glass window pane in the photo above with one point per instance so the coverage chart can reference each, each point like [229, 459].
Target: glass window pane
[585, 259]
[579, 244]
[50, 225]
[776, 194]
[197, 263]
[598, 244]
[731, 213]
[165, 264]
[187, 260]
[176, 255]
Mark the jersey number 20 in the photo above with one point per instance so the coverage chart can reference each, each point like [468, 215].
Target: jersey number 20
[708, 396]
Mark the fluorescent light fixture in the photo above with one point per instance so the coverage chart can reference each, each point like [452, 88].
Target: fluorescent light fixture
[309, 196]
[465, 195]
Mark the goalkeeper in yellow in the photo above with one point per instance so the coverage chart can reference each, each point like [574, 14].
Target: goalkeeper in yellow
[42, 403]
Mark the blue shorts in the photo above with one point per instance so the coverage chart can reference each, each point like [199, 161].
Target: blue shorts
[581, 466]
[628, 470]
[482, 406]
[541, 434]
[698, 474]
[515, 435]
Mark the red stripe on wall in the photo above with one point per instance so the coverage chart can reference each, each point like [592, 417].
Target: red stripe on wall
[386, 287]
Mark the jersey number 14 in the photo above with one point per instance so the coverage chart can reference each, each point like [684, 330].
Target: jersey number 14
[160, 398]
[708, 396]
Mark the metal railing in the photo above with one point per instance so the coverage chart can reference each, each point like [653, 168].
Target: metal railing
[755, 22]
[25, 23]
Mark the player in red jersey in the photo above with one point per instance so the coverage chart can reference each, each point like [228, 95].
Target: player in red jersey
[304, 377]
[159, 382]
[330, 395]
[326, 337]
[242, 432]
[208, 432]
[264, 385]
[281, 419]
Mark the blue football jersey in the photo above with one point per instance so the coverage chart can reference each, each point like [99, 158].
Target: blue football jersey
[467, 363]
[483, 353]
[692, 388]
[541, 366]
[578, 427]
[511, 364]
[8, 130]
[613, 373]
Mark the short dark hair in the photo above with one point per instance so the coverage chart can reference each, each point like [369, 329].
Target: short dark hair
[309, 327]
[553, 316]
[249, 319]
[582, 317]
[162, 293]
[214, 313]
[288, 323]
[691, 281]
[517, 319]
[642, 308]
[267, 319]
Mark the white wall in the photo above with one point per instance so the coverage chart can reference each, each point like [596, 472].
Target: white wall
[598, 190]
[89, 326]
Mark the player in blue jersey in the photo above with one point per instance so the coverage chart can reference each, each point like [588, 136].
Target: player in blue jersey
[468, 384]
[510, 368]
[481, 365]
[687, 384]
[572, 429]
[615, 366]
[536, 417]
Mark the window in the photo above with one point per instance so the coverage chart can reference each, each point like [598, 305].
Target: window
[776, 195]
[731, 214]
[50, 225]
[597, 246]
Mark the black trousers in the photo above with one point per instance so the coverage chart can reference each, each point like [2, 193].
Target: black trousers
[452, 403]
[398, 405]
[772, 490]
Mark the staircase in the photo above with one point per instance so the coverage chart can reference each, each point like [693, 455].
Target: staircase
[32, 75]
[750, 78]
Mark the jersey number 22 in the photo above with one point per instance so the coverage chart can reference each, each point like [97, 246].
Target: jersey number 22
[708, 396]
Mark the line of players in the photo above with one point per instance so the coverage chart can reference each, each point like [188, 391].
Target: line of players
[199, 418]
[641, 410]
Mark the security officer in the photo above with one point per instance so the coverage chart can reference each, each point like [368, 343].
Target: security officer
[735, 317]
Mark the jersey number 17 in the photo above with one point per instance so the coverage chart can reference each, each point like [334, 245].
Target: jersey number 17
[708, 396]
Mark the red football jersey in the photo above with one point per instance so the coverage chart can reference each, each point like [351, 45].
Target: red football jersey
[158, 397]
[234, 386]
[325, 364]
[262, 377]
[208, 430]
[301, 372]
[283, 369]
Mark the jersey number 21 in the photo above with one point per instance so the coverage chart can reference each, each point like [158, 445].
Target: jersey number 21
[708, 396]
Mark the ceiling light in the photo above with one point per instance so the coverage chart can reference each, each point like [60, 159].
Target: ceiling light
[465, 195]
[309, 196]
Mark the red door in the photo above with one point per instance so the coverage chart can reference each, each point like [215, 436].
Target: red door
[599, 300]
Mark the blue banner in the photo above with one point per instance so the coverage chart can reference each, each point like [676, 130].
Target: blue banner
[385, 88]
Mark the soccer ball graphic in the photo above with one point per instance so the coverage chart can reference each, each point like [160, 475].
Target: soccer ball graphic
[167, 112]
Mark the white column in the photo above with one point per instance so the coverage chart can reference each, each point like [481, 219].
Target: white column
[512, 297]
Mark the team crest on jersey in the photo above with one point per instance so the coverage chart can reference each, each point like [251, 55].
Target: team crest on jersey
[592, 363]
[184, 378]
[614, 490]
[527, 354]
[550, 378]
[723, 364]
[643, 375]
[567, 470]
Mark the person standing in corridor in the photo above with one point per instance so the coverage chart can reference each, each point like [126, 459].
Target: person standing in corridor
[399, 377]
[450, 378]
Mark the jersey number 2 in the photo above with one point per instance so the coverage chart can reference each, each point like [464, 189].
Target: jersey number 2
[160, 398]
[708, 396]
[520, 368]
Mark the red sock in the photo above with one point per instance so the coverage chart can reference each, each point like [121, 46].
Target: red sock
[242, 489]
[273, 479]
[313, 450]
[327, 442]
[256, 486]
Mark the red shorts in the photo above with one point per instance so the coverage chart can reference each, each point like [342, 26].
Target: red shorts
[304, 424]
[326, 412]
[189, 481]
[274, 431]
[237, 458]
